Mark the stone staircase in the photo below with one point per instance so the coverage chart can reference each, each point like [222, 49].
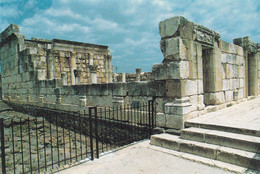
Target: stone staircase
[238, 149]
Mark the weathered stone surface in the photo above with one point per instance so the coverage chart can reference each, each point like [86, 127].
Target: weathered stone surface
[228, 96]
[169, 27]
[173, 49]
[214, 98]
[179, 106]
[171, 70]
[174, 121]
[161, 119]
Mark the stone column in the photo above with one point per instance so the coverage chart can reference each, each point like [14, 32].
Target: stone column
[73, 66]
[50, 65]
[77, 73]
[110, 69]
[251, 57]
[138, 74]
[64, 77]
[93, 74]
[57, 92]
[253, 74]
[212, 78]
[123, 77]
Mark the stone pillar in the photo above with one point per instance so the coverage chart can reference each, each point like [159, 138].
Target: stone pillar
[57, 92]
[251, 56]
[83, 101]
[138, 74]
[64, 77]
[253, 74]
[93, 74]
[91, 59]
[123, 77]
[212, 77]
[77, 73]
[110, 69]
[73, 66]
[50, 65]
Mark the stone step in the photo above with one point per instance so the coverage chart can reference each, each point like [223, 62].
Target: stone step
[227, 139]
[225, 154]
[222, 127]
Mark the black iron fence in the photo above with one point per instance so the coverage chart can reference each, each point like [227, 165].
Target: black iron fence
[55, 139]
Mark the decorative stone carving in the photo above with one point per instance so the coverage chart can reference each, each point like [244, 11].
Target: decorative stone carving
[205, 35]
[93, 68]
[77, 72]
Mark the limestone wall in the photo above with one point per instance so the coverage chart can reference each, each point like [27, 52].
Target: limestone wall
[200, 73]
[26, 62]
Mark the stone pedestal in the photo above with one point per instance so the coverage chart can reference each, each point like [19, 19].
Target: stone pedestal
[83, 101]
[41, 98]
[118, 101]
[176, 112]
[64, 77]
[93, 74]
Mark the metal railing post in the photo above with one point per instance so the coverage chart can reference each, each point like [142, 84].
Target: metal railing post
[151, 116]
[2, 145]
[91, 134]
[96, 131]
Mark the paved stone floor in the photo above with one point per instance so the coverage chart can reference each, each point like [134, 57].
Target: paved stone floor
[142, 158]
[244, 115]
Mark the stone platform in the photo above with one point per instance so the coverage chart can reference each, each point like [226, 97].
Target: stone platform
[243, 117]
[228, 138]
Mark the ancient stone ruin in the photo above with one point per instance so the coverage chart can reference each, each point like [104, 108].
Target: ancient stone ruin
[200, 73]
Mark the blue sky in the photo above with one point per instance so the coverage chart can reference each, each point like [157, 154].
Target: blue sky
[128, 27]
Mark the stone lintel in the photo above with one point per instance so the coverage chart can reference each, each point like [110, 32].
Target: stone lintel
[247, 44]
